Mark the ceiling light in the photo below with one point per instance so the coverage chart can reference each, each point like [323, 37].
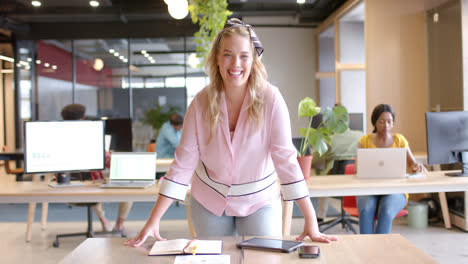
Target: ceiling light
[143, 52]
[46, 65]
[29, 59]
[178, 9]
[146, 55]
[111, 51]
[94, 3]
[193, 60]
[6, 58]
[125, 60]
[54, 67]
[121, 57]
[98, 64]
[116, 54]
[38, 61]
[36, 3]
[300, 1]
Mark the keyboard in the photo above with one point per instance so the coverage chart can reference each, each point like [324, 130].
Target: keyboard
[126, 185]
[416, 175]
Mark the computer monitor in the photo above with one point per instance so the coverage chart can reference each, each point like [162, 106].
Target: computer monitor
[63, 146]
[447, 139]
[356, 121]
[120, 130]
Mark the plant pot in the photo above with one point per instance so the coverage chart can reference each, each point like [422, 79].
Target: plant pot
[305, 162]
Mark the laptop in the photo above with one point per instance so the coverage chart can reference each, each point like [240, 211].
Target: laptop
[381, 163]
[131, 170]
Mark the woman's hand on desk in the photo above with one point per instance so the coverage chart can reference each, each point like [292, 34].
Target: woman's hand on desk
[316, 236]
[150, 230]
[418, 167]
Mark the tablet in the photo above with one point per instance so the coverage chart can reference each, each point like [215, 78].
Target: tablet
[270, 244]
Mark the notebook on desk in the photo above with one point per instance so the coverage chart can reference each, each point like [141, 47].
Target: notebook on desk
[131, 170]
[381, 163]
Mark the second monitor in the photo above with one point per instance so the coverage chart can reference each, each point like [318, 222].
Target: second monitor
[120, 130]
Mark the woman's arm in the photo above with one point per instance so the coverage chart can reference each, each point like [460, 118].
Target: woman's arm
[151, 227]
[311, 227]
[413, 165]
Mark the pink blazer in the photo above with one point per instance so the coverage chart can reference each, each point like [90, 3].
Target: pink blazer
[236, 175]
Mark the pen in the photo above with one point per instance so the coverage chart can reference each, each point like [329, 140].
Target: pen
[194, 250]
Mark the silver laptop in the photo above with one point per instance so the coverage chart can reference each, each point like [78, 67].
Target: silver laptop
[381, 163]
[131, 170]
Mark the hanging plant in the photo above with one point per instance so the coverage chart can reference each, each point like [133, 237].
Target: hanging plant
[211, 15]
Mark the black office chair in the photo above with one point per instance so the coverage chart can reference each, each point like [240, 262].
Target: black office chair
[344, 219]
[89, 232]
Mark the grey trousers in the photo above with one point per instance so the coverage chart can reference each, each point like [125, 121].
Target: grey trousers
[266, 221]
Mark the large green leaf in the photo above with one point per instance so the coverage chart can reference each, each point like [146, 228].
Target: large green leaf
[336, 120]
[303, 131]
[308, 108]
[318, 142]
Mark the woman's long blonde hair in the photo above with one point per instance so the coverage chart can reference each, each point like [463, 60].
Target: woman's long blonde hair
[215, 90]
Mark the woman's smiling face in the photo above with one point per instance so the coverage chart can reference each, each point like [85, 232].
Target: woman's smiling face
[235, 60]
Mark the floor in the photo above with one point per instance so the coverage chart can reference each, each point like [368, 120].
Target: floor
[445, 246]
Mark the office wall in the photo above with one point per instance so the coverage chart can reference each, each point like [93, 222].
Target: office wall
[464, 29]
[289, 60]
[396, 64]
[444, 42]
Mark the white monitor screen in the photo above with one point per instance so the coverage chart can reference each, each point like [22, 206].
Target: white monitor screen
[63, 146]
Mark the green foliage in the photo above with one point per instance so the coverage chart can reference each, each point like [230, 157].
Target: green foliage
[157, 116]
[334, 121]
[211, 15]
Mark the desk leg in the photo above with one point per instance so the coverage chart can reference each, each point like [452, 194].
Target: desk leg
[31, 212]
[189, 220]
[287, 217]
[45, 209]
[444, 207]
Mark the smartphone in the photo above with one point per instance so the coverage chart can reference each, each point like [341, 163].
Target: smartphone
[309, 252]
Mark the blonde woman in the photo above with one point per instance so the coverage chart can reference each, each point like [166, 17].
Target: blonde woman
[236, 143]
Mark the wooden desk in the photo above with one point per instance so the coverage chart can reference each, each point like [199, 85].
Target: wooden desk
[349, 185]
[391, 248]
[25, 192]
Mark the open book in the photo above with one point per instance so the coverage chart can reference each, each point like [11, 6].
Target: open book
[186, 246]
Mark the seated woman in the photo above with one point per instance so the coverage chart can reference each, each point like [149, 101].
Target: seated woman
[386, 207]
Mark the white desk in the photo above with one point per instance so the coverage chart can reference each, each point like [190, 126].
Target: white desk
[351, 249]
[350, 185]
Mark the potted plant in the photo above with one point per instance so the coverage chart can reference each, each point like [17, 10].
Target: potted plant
[334, 121]
[211, 17]
[157, 116]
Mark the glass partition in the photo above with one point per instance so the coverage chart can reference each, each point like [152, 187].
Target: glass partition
[326, 50]
[351, 36]
[353, 92]
[101, 67]
[54, 65]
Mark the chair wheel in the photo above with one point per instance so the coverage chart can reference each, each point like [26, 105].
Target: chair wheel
[56, 244]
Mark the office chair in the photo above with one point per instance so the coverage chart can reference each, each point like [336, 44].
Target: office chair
[17, 171]
[32, 206]
[89, 232]
[350, 204]
[95, 175]
[345, 219]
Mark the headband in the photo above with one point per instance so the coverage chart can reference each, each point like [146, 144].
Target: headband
[234, 23]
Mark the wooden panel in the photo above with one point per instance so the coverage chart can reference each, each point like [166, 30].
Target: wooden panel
[396, 65]
[350, 67]
[323, 75]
